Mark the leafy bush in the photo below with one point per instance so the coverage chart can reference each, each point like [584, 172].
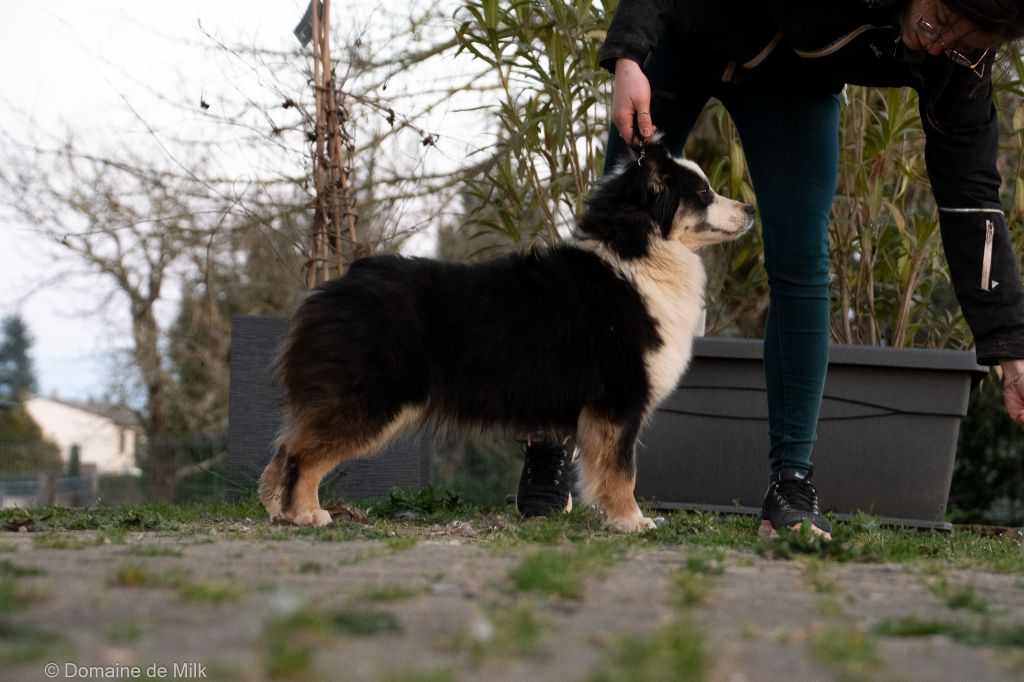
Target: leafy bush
[22, 446]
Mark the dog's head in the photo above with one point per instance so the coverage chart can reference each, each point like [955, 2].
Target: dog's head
[657, 196]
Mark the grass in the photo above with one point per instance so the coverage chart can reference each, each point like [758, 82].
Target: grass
[123, 633]
[20, 644]
[155, 550]
[289, 642]
[957, 596]
[851, 652]
[693, 582]
[203, 591]
[13, 597]
[400, 518]
[9, 569]
[674, 653]
[501, 632]
[390, 593]
[983, 633]
[563, 571]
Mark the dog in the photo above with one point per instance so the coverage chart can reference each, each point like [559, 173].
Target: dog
[586, 338]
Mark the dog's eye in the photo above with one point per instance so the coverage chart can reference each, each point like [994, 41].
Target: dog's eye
[705, 194]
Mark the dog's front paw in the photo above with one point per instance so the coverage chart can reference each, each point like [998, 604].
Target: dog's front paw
[314, 518]
[630, 524]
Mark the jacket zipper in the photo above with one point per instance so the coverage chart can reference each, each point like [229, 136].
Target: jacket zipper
[838, 44]
[986, 258]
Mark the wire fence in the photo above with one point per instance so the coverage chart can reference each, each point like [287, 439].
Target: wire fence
[34, 474]
[51, 489]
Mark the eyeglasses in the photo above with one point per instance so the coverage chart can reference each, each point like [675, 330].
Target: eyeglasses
[966, 57]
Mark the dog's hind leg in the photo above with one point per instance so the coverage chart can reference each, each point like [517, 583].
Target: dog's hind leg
[272, 480]
[307, 454]
[607, 461]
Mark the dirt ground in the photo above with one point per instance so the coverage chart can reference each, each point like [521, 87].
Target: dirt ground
[447, 606]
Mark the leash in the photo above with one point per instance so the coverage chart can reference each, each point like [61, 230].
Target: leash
[636, 129]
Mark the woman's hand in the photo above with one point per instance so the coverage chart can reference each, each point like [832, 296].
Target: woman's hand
[631, 94]
[1013, 389]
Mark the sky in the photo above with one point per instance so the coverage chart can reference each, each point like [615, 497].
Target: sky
[88, 68]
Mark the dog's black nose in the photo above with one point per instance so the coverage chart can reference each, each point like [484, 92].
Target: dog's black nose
[749, 209]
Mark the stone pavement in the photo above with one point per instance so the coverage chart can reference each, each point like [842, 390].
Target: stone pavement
[442, 608]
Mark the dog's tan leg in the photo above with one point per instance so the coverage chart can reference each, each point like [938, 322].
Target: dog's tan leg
[289, 485]
[311, 455]
[304, 508]
[608, 471]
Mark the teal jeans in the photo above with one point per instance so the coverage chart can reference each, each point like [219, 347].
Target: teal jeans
[791, 144]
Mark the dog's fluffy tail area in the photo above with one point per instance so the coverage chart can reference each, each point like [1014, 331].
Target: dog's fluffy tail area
[271, 482]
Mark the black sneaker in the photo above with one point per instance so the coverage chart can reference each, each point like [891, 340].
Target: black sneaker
[544, 486]
[789, 500]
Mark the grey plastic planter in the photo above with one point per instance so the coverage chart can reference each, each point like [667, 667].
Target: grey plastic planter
[254, 416]
[886, 438]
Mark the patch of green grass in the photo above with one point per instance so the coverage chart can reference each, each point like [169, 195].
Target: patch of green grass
[564, 571]
[390, 593]
[289, 642]
[692, 583]
[12, 570]
[1013, 663]
[816, 575]
[691, 588]
[984, 633]
[13, 597]
[206, 591]
[501, 632]
[59, 540]
[138, 575]
[7, 549]
[957, 596]
[430, 504]
[400, 543]
[864, 539]
[136, 517]
[443, 675]
[851, 652]
[123, 633]
[155, 550]
[365, 555]
[311, 567]
[20, 644]
[211, 591]
[674, 653]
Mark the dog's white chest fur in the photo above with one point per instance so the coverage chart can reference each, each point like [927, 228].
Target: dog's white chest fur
[671, 281]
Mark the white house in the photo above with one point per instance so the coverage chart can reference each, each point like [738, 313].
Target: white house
[105, 436]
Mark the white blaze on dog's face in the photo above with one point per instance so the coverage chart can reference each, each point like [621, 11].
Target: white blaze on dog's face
[704, 217]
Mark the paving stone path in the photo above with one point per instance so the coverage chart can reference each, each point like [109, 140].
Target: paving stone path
[450, 607]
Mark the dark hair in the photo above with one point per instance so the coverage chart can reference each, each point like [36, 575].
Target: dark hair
[1002, 17]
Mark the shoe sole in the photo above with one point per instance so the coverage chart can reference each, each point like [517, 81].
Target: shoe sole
[766, 532]
[568, 508]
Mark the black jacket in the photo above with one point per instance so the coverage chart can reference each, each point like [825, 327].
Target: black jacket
[811, 45]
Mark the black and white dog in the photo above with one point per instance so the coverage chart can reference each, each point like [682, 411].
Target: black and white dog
[584, 338]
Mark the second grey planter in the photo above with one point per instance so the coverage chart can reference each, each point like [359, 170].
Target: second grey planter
[886, 437]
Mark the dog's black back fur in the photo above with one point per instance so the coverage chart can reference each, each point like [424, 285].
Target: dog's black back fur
[522, 342]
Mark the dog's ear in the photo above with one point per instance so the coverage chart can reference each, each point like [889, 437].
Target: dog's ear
[662, 201]
[627, 207]
[653, 159]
